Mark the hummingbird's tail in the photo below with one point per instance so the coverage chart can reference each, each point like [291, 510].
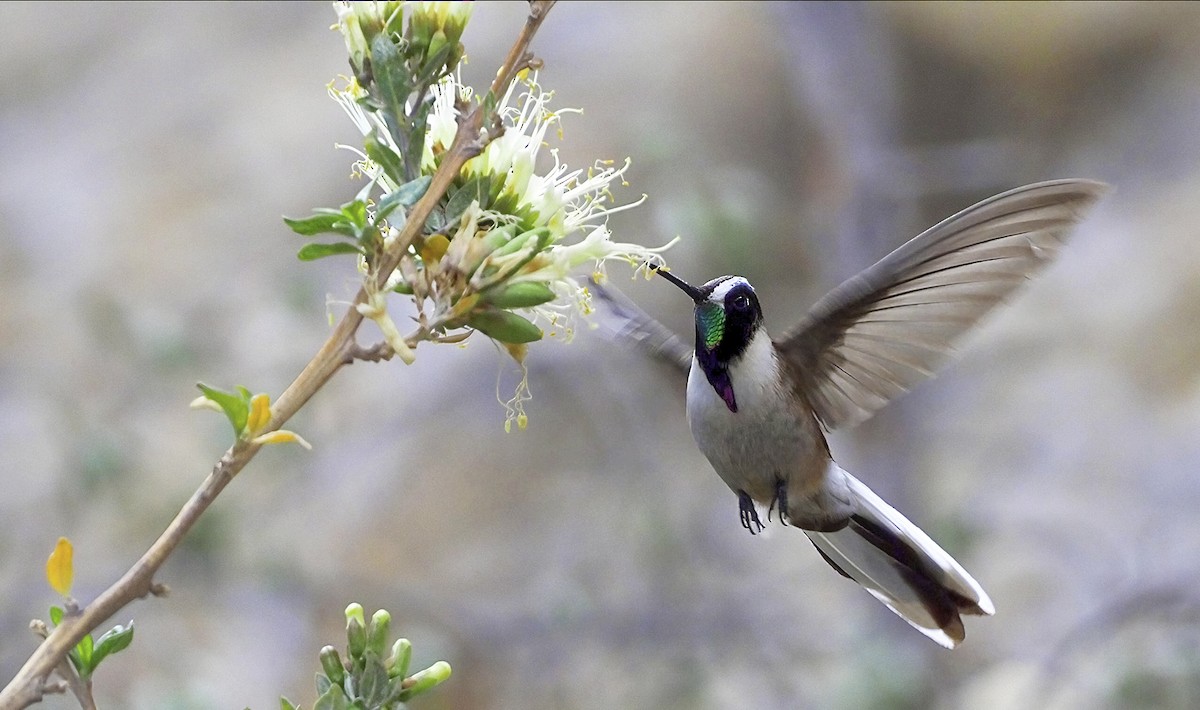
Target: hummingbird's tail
[900, 566]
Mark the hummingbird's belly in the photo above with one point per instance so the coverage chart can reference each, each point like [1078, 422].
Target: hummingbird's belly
[758, 446]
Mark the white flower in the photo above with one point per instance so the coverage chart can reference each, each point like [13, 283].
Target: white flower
[556, 221]
[568, 202]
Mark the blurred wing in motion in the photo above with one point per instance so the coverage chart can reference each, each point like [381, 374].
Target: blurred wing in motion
[886, 329]
[625, 321]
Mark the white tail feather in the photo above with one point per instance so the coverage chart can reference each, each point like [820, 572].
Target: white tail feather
[918, 580]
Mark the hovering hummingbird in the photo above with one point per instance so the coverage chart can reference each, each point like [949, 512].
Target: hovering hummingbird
[758, 407]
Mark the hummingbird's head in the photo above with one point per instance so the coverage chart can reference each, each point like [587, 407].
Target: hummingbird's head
[727, 319]
[727, 316]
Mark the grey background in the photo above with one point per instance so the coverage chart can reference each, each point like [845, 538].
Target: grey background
[594, 561]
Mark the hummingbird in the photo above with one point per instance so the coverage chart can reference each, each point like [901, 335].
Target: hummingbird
[759, 407]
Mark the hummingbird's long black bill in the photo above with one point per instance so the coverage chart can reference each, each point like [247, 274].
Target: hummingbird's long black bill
[696, 294]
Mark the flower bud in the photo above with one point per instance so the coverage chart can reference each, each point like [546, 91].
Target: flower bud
[436, 42]
[481, 247]
[525, 294]
[521, 240]
[425, 680]
[331, 663]
[355, 611]
[397, 665]
[505, 326]
[356, 639]
[377, 632]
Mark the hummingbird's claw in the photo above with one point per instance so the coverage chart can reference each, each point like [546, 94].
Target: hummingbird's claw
[779, 500]
[748, 514]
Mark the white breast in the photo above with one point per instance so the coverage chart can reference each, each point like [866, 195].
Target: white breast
[760, 442]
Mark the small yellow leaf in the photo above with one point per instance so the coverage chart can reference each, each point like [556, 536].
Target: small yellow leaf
[517, 351]
[60, 570]
[260, 413]
[434, 249]
[464, 306]
[281, 436]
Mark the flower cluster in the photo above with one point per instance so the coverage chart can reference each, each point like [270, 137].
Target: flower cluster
[500, 251]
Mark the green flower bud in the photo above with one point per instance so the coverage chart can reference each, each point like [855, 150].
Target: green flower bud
[420, 31]
[356, 640]
[377, 632]
[397, 665]
[331, 663]
[425, 680]
[505, 326]
[487, 244]
[436, 42]
[355, 611]
[518, 242]
[525, 294]
[456, 56]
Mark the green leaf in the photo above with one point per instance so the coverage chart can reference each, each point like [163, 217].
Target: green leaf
[83, 651]
[373, 682]
[505, 326]
[355, 213]
[73, 655]
[405, 196]
[314, 251]
[56, 615]
[236, 408]
[391, 79]
[395, 21]
[521, 295]
[475, 189]
[331, 222]
[505, 202]
[324, 683]
[285, 704]
[387, 159]
[489, 104]
[436, 222]
[114, 640]
[416, 128]
[332, 699]
[434, 66]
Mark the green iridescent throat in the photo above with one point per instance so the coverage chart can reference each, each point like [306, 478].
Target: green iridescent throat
[711, 319]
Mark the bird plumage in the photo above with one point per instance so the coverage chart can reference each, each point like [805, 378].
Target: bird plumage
[758, 408]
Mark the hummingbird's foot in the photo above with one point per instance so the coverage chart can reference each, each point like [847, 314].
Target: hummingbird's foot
[748, 514]
[779, 500]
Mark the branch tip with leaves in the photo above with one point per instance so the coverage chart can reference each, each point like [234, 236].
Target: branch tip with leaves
[454, 217]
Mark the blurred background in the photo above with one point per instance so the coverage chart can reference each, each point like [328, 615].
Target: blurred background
[147, 152]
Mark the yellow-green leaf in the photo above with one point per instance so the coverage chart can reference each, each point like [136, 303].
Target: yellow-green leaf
[60, 570]
[260, 413]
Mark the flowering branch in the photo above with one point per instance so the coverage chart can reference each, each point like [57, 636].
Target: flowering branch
[476, 129]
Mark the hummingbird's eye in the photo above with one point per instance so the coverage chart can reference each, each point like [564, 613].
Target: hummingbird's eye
[741, 301]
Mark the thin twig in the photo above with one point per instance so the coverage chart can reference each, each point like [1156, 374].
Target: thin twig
[30, 683]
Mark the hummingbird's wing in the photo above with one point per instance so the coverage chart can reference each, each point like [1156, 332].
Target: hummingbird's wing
[626, 321]
[886, 329]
